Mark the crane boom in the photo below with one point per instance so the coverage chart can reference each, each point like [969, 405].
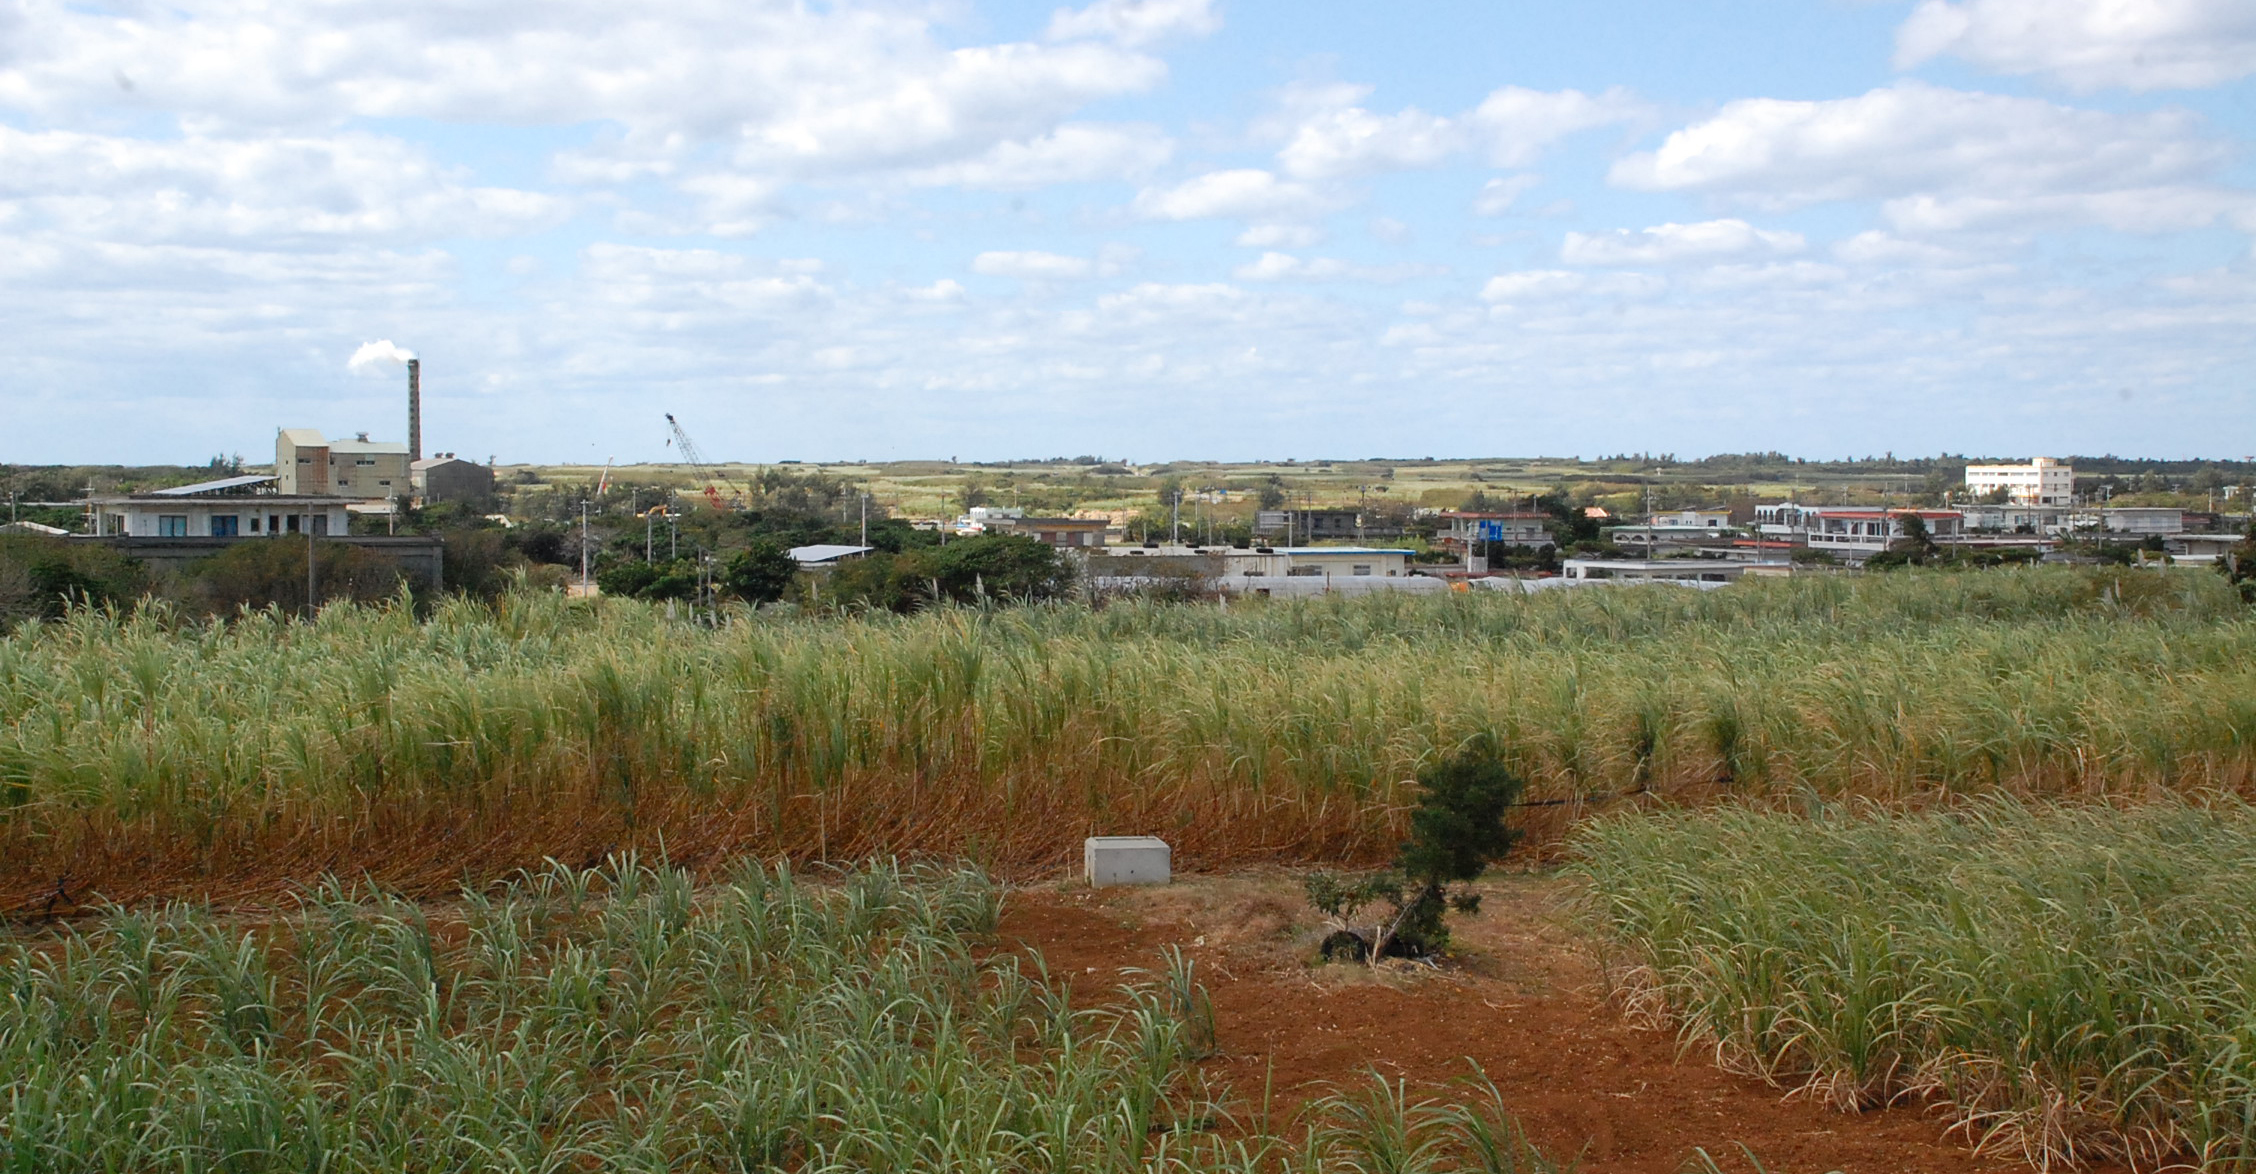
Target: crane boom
[697, 461]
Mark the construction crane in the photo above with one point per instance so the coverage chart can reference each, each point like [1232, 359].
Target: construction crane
[689, 453]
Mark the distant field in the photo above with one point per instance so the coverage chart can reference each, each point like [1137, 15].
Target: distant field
[2079, 983]
[141, 755]
[928, 488]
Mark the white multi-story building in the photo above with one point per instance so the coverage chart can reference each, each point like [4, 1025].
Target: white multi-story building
[2043, 481]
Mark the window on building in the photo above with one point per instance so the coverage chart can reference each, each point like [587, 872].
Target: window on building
[172, 525]
[321, 523]
[1362, 568]
[224, 525]
[254, 523]
[293, 523]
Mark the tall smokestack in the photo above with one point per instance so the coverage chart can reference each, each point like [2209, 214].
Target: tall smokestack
[415, 409]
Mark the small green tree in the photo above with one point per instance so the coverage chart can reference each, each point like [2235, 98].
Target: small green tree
[1456, 831]
[759, 574]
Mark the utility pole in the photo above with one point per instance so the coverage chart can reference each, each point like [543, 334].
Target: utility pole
[583, 548]
[1175, 530]
[310, 578]
[865, 517]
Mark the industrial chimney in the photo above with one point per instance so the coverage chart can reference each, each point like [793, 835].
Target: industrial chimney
[415, 409]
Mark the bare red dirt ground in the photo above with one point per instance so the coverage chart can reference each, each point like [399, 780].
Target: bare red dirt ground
[1525, 1000]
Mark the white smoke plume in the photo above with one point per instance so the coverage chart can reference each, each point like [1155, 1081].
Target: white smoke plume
[373, 354]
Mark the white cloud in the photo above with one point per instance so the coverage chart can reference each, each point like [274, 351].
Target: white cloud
[2139, 210]
[1076, 152]
[1515, 124]
[1767, 275]
[2089, 44]
[1665, 244]
[1281, 236]
[1957, 158]
[1136, 22]
[1874, 247]
[1286, 267]
[262, 193]
[802, 90]
[1329, 135]
[1353, 141]
[1498, 195]
[1554, 284]
[1033, 266]
[1247, 193]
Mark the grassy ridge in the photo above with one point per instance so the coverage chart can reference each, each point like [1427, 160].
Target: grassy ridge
[2080, 983]
[484, 740]
[616, 1020]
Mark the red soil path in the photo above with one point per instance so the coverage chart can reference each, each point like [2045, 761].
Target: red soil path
[1525, 1002]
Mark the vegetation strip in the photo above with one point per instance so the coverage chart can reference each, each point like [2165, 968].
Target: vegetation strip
[616, 1019]
[2079, 982]
[149, 754]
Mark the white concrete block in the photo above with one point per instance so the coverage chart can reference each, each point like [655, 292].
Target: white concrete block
[1125, 860]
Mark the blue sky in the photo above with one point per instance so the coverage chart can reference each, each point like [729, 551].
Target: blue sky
[1142, 228]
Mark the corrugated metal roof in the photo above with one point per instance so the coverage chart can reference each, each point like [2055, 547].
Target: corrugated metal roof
[824, 552]
[223, 485]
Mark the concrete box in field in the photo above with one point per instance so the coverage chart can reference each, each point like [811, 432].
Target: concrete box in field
[1125, 860]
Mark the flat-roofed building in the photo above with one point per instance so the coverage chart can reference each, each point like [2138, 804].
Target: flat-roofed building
[308, 464]
[1508, 527]
[2139, 519]
[1342, 562]
[1860, 533]
[1064, 533]
[2043, 481]
[232, 507]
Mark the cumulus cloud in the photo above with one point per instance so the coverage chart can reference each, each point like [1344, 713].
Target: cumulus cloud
[1033, 266]
[1665, 244]
[1328, 133]
[1350, 140]
[2089, 44]
[1947, 158]
[1874, 247]
[1242, 193]
[1515, 124]
[1533, 285]
[1498, 195]
[1281, 236]
[790, 88]
[265, 193]
[1136, 22]
[1076, 152]
[1286, 267]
